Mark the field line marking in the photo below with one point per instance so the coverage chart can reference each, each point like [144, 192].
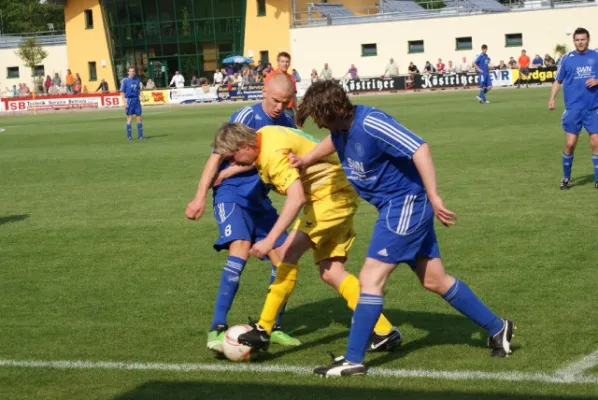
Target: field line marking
[512, 376]
[579, 367]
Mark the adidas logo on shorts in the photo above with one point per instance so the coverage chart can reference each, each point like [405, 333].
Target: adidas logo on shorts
[383, 253]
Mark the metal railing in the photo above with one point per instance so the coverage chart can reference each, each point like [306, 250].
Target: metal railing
[430, 9]
[46, 38]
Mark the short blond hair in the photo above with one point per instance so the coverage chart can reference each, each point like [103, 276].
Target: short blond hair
[230, 137]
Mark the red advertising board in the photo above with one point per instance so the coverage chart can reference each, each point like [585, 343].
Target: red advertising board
[62, 102]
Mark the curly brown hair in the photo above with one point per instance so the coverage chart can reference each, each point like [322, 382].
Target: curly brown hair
[325, 102]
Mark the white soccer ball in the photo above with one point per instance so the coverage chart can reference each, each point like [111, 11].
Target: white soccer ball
[232, 349]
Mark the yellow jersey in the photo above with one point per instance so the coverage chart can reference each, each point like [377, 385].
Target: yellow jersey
[319, 181]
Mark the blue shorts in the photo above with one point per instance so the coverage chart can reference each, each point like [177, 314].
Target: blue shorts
[404, 231]
[238, 223]
[485, 80]
[133, 107]
[574, 120]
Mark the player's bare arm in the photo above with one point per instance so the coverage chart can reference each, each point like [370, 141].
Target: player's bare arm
[422, 159]
[322, 150]
[556, 87]
[196, 207]
[295, 199]
[230, 172]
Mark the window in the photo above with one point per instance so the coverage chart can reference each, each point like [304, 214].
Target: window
[88, 19]
[416, 46]
[513, 40]
[261, 8]
[39, 70]
[12, 72]
[93, 74]
[463, 43]
[264, 57]
[368, 50]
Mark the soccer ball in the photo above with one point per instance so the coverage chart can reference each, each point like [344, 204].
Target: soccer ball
[232, 349]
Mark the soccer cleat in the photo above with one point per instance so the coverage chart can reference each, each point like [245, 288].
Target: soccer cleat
[129, 138]
[257, 338]
[340, 367]
[141, 138]
[565, 185]
[282, 338]
[215, 338]
[501, 342]
[387, 342]
[479, 99]
[486, 102]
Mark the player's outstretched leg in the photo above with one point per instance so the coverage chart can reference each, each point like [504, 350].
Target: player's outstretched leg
[433, 277]
[279, 336]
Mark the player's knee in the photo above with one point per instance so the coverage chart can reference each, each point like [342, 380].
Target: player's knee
[240, 248]
[435, 284]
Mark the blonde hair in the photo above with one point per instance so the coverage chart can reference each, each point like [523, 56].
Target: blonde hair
[230, 137]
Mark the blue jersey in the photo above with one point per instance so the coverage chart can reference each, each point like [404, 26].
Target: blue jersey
[247, 189]
[131, 87]
[376, 154]
[575, 69]
[482, 62]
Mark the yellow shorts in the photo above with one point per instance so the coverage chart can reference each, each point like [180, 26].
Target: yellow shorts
[329, 224]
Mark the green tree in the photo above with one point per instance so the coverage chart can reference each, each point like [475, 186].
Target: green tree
[27, 16]
[31, 53]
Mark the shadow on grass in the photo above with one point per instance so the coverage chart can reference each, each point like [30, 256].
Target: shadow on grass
[582, 180]
[13, 218]
[205, 389]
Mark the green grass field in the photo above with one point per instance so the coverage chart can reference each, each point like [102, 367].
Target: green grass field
[99, 264]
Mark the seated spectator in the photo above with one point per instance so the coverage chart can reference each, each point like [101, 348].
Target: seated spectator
[450, 68]
[464, 67]
[314, 75]
[549, 61]
[512, 63]
[150, 85]
[537, 62]
[103, 86]
[502, 65]
[440, 67]
[429, 68]
[259, 78]
[251, 76]
[194, 81]
[412, 68]
[218, 77]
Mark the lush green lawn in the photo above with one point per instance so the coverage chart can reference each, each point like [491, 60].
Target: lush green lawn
[97, 261]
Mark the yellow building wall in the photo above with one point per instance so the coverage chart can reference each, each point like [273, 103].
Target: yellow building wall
[268, 33]
[87, 45]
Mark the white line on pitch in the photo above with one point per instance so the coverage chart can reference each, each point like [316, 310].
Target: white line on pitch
[513, 376]
[577, 368]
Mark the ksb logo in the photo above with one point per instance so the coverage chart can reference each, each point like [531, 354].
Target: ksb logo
[112, 101]
[17, 105]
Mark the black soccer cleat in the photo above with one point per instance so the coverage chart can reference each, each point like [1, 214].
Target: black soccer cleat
[340, 367]
[387, 342]
[565, 184]
[501, 342]
[257, 338]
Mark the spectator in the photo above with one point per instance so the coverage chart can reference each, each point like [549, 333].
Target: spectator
[326, 73]
[194, 81]
[14, 91]
[440, 67]
[392, 69]
[284, 62]
[77, 84]
[450, 68]
[464, 67]
[537, 62]
[103, 86]
[412, 68]
[56, 81]
[218, 77]
[259, 78]
[429, 68]
[296, 75]
[549, 61]
[47, 84]
[353, 72]
[524, 63]
[268, 69]
[69, 80]
[512, 63]
[502, 65]
[178, 80]
[314, 76]
[559, 57]
[150, 85]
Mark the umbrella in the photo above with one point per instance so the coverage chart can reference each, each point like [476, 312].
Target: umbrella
[237, 60]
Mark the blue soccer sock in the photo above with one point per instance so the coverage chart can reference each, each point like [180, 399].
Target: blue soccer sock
[139, 129]
[568, 165]
[595, 162]
[279, 318]
[482, 95]
[485, 90]
[128, 130]
[465, 301]
[368, 310]
[229, 284]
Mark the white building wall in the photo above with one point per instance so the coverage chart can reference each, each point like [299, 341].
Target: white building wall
[56, 62]
[340, 46]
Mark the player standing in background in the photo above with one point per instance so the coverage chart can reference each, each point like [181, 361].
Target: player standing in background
[481, 65]
[326, 226]
[242, 209]
[131, 90]
[284, 62]
[577, 74]
[392, 169]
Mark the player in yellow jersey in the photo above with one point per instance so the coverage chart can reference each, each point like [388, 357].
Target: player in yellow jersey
[329, 203]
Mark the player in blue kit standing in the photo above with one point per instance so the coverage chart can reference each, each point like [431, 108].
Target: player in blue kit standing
[392, 169]
[242, 209]
[577, 75]
[131, 90]
[485, 81]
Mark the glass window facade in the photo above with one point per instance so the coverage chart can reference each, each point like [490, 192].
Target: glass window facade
[159, 37]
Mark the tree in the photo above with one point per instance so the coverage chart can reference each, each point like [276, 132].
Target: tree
[27, 16]
[32, 54]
